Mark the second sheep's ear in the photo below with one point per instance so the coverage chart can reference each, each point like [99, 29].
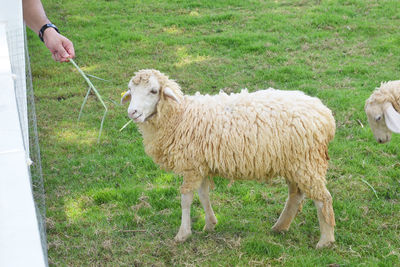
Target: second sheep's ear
[126, 97]
[392, 119]
[169, 93]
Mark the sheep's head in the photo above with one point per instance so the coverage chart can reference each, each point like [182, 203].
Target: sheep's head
[145, 90]
[383, 119]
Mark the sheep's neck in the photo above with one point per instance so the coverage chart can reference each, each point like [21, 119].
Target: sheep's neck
[158, 132]
[396, 103]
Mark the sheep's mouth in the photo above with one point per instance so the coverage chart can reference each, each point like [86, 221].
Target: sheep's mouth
[137, 118]
[142, 118]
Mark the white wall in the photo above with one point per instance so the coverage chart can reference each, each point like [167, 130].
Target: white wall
[11, 15]
[20, 243]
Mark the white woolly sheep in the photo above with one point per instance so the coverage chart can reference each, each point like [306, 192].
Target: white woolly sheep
[244, 136]
[383, 111]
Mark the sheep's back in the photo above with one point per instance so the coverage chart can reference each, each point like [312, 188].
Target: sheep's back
[253, 135]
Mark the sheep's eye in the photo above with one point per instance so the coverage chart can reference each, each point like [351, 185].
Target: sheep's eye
[153, 91]
[378, 118]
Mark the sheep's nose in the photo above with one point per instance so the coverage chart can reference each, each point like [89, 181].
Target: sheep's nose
[132, 112]
[384, 140]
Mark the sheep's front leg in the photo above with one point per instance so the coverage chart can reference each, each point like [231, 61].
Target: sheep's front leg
[211, 220]
[185, 230]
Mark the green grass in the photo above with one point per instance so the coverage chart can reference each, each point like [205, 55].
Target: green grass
[110, 205]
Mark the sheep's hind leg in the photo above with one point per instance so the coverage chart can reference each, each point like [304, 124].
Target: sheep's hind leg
[292, 207]
[323, 202]
[185, 230]
[203, 191]
[326, 220]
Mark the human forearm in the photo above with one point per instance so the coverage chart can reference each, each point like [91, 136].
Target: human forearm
[35, 17]
[34, 14]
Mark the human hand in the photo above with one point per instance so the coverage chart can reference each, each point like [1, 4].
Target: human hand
[60, 47]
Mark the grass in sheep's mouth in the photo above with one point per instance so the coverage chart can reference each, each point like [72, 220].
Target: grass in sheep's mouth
[110, 205]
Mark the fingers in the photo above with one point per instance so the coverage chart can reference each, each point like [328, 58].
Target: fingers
[60, 47]
[69, 48]
[65, 51]
[60, 55]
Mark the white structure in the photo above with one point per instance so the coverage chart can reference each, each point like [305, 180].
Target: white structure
[20, 243]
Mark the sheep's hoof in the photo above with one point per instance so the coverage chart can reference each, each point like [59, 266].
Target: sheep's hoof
[182, 236]
[324, 244]
[210, 225]
[279, 229]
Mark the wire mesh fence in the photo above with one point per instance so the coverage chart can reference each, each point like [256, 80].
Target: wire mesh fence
[11, 17]
[20, 65]
[34, 154]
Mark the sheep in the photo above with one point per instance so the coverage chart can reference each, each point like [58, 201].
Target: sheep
[383, 111]
[242, 136]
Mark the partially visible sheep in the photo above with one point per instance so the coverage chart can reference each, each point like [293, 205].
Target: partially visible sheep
[383, 111]
[244, 136]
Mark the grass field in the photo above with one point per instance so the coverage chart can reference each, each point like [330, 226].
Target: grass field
[108, 204]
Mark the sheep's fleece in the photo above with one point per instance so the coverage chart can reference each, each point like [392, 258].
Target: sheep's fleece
[383, 111]
[243, 136]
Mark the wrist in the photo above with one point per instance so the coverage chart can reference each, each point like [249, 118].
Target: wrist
[48, 27]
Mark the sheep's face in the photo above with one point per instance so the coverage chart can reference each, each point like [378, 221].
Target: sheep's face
[376, 118]
[144, 95]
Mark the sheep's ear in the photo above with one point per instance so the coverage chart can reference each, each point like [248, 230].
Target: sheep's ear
[126, 97]
[169, 93]
[392, 119]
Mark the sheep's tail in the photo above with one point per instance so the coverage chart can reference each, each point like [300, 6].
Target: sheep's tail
[330, 129]
[327, 154]
[211, 184]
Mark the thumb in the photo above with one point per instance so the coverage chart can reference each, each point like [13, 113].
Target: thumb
[69, 47]
[62, 54]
